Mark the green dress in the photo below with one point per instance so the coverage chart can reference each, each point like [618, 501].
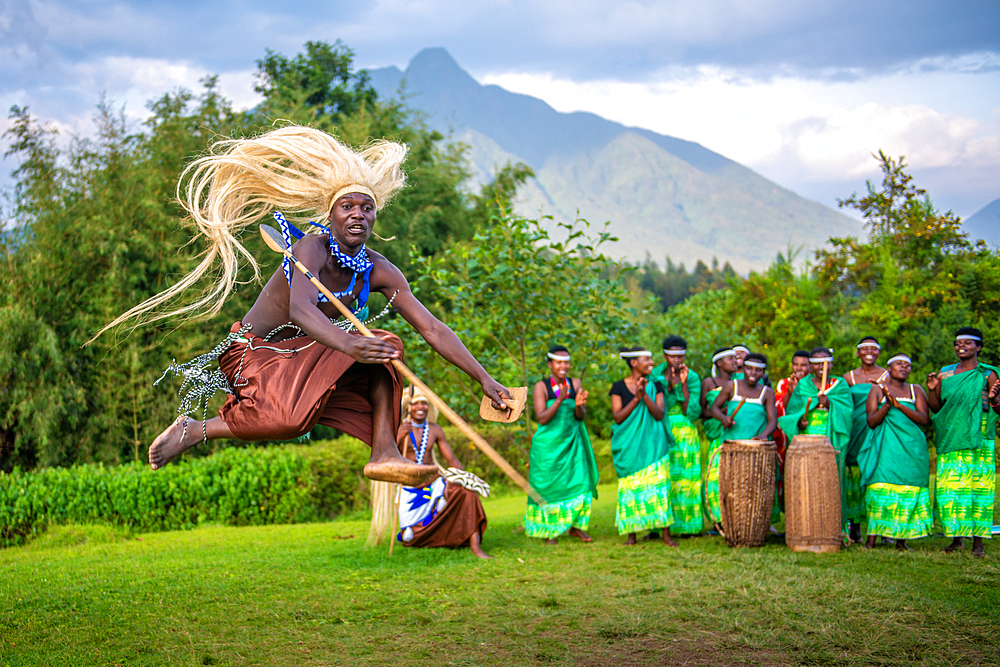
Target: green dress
[563, 470]
[685, 453]
[895, 470]
[835, 423]
[750, 422]
[964, 436]
[640, 452]
[713, 431]
[854, 508]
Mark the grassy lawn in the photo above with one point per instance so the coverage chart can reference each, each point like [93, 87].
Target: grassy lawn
[313, 595]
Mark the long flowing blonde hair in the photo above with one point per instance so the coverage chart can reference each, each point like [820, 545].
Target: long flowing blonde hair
[295, 169]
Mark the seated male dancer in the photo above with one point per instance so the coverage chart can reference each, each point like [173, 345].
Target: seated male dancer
[441, 514]
[286, 364]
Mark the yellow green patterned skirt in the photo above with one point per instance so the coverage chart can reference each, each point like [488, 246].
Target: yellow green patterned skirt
[965, 490]
[685, 477]
[644, 499]
[713, 506]
[856, 503]
[897, 511]
[559, 517]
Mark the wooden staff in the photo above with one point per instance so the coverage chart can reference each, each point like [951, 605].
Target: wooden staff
[274, 241]
[737, 410]
[822, 384]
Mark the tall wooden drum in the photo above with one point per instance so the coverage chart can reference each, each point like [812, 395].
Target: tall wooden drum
[812, 495]
[746, 490]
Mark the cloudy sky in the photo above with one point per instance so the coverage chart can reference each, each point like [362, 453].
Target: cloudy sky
[801, 91]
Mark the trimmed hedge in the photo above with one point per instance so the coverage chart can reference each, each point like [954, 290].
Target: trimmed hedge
[238, 487]
[250, 486]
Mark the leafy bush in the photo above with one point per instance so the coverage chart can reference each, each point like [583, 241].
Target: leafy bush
[237, 487]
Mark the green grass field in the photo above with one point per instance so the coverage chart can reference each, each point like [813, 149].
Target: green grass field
[313, 595]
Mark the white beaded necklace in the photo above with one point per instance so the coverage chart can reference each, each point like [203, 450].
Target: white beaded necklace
[423, 440]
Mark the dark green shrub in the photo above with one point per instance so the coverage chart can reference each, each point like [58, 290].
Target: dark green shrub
[238, 487]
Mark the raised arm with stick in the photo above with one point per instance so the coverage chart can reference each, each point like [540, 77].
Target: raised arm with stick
[275, 242]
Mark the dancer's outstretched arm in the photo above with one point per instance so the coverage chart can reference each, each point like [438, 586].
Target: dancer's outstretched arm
[389, 281]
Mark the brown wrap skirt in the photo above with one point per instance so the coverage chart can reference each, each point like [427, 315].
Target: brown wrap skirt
[283, 395]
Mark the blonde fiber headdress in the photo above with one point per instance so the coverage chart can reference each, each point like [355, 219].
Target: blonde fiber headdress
[298, 170]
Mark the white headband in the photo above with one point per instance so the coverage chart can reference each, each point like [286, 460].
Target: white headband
[723, 355]
[741, 347]
[969, 337]
[899, 357]
[868, 343]
[558, 356]
[675, 352]
[820, 360]
[754, 364]
[635, 353]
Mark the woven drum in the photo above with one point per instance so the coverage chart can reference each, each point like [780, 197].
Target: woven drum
[812, 495]
[746, 490]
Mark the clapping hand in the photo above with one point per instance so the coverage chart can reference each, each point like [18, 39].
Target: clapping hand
[564, 390]
[581, 398]
[933, 381]
[889, 397]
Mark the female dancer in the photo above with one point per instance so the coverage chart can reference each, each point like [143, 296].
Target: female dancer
[640, 451]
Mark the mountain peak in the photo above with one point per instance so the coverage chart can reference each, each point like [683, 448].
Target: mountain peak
[435, 57]
[436, 66]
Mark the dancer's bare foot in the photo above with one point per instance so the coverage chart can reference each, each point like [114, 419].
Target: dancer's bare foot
[957, 544]
[401, 471]
[902, 546]
[173, 442]
[978, 549]
[576, 532]
[667, 539]
[870, 543]
[630, 542]
[552, 541]
[475, 546]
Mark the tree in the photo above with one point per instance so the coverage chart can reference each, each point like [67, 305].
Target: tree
[902, 224]
[511, 292]
[322, 80]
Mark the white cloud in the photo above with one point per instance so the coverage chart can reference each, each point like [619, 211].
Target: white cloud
[132, 81]
[797, 132]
